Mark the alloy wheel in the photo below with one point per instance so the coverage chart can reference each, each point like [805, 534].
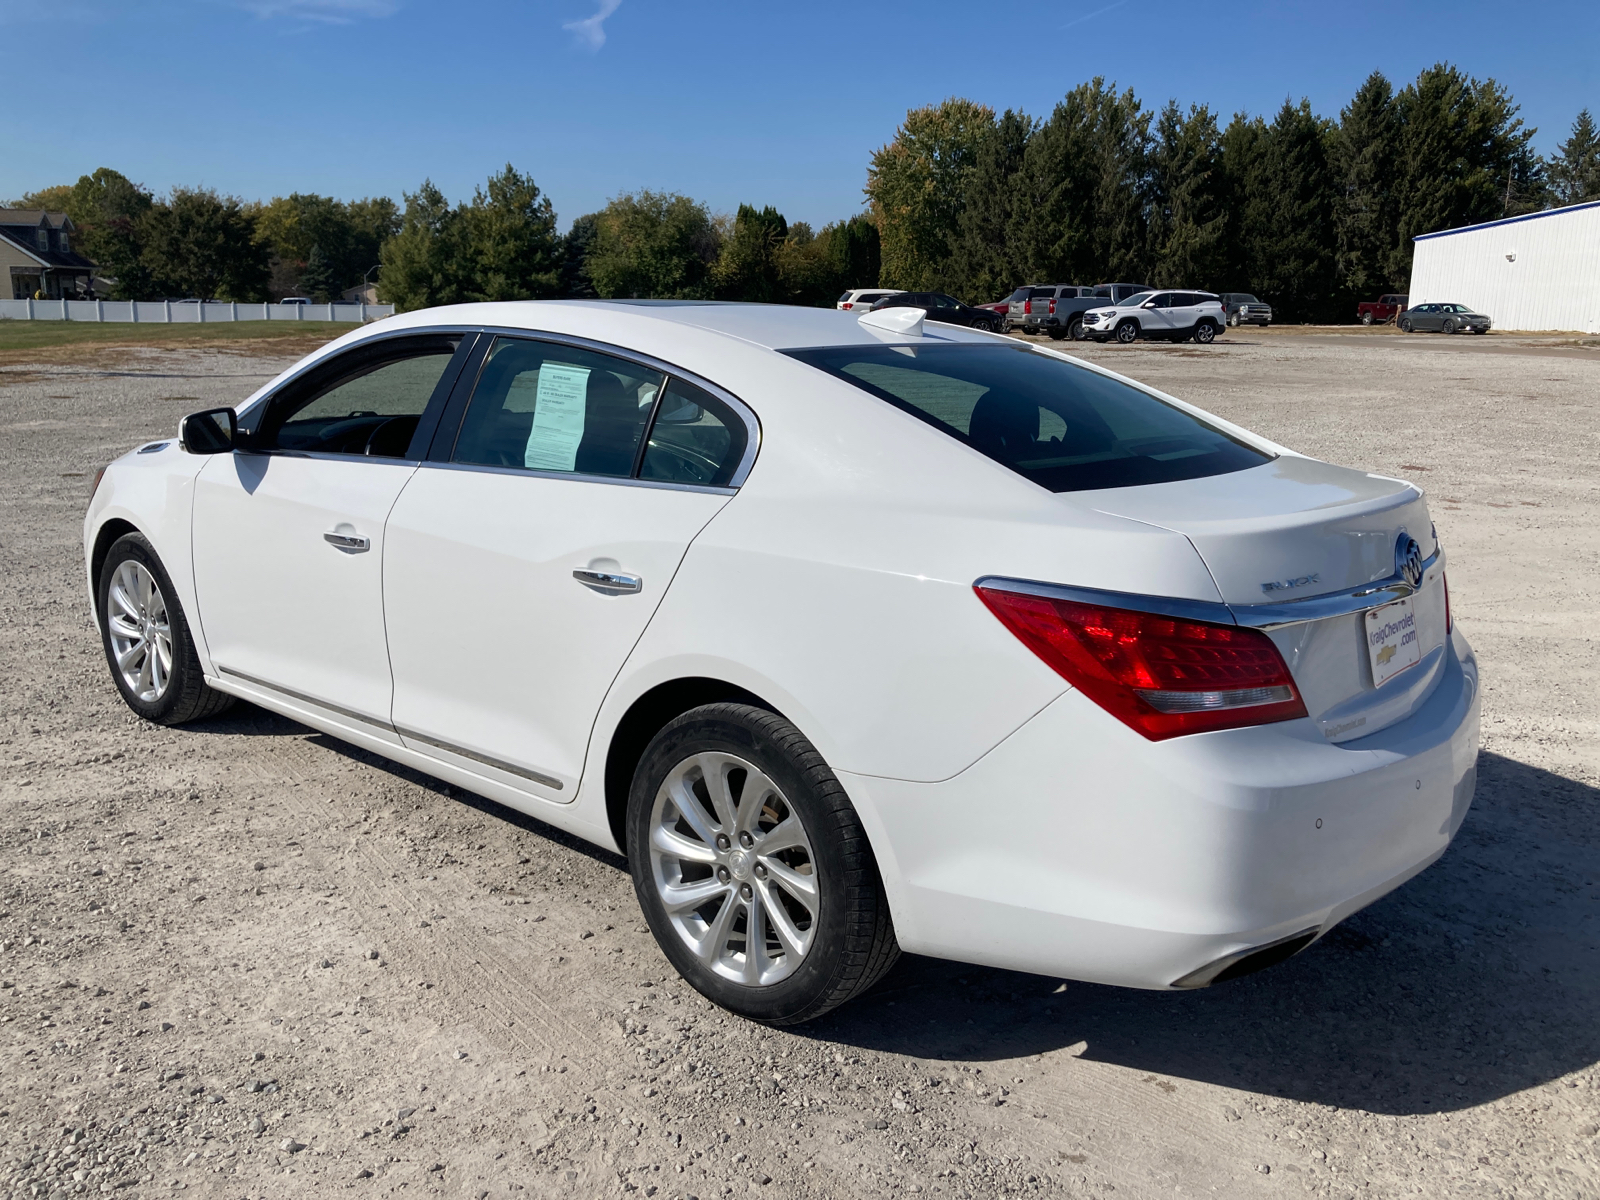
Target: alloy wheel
[140, 631]
[733, 868]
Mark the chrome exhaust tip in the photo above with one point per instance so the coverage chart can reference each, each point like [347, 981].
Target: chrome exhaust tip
[1248, 961]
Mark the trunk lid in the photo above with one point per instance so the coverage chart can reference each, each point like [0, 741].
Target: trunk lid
[1297, 528]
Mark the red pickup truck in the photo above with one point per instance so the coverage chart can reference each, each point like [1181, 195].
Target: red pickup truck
[1382, 310]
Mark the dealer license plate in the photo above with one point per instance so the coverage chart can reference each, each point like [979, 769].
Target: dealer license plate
[1392, 642]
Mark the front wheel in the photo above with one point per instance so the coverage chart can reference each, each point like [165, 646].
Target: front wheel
[1075, 331]
[1234, 320]
[753, 869]
[1205, 333]
[1128, 332]
[148, 646]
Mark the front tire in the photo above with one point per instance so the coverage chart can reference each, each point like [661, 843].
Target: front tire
[148, 646]
[752, 867]
[1234, 320]
[1128, 332]
[1075, 331]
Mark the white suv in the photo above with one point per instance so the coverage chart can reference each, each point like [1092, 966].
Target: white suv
[862, 299]
[1176, 316]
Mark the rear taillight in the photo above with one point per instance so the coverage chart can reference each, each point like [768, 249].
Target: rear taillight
[1445, 579]
[1159, 675]
[1052, 308]
[1027, 308]
[846, 305]
[101, 474]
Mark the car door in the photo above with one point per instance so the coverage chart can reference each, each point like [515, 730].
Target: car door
[1427, 318]
[524, 560]
[1156, 315]
[288, 532]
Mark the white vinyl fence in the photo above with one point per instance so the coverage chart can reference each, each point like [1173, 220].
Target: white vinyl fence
[161, 312]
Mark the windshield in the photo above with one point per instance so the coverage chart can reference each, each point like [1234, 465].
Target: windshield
[1061, 425]
[1136, 299]
[1245, 298]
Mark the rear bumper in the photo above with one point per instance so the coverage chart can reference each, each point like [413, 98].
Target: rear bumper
[1078, 849]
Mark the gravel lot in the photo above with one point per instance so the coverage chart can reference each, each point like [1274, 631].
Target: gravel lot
[245, 959]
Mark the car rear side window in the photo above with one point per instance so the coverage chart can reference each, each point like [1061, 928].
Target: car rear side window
[695, 438]
[1063, 426]
[548, 407]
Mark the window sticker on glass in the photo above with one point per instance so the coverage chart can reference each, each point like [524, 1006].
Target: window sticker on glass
[557, 418]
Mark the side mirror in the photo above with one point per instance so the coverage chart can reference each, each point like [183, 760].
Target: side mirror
[1148, 304]
[211, 432]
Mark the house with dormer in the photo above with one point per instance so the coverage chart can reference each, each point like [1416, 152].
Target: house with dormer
[36, 257]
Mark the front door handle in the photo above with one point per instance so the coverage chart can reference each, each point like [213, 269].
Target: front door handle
[609, 581]
[352, 542]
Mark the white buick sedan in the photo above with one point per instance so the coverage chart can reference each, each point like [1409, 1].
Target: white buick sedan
[854, 634]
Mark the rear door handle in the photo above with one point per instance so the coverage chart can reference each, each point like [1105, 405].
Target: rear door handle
[608, 581]
[353, 542]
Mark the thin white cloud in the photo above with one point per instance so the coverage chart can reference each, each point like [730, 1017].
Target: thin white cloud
[591, 31]
[1099, 12]
[329, 12]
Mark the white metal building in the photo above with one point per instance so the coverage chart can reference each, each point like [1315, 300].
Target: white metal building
[1541, 271]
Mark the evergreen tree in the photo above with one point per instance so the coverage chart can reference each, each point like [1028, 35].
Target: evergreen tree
[983, 262]
[747, 267]
[1464, 158]
[509, 245]
[853, 254]
[318, 280]
[1575, 171]
[1290, 196]
[917, 185]
[420, 263]
[1078, 215]
[575, 283]
[1186, 215]
[1366, 160]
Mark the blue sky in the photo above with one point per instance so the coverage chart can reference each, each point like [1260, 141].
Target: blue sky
[768, 104]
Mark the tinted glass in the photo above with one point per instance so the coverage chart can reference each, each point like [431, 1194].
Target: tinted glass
[1164, 300]
[1063, 426]
[1136, 299]
[545, 407]
[373, 411]
[1246, 298]
[1041, 293]
[844, 297]
[696, 438]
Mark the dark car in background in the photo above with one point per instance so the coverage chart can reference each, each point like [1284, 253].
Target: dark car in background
[1443, 318]
[1244, 309]
[941, 307]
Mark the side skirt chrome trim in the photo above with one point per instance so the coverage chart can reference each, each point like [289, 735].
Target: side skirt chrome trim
[554, 785]
[305, 699]
[498, 764]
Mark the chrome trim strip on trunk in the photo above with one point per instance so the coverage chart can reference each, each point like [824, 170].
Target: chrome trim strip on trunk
[498, 764]
[411, 734]
[1350, 602]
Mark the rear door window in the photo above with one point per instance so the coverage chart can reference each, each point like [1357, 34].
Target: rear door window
[1061, 425]
[695, 438]
[542, 406]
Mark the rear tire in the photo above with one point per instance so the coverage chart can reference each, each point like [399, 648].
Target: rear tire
[1450, 325]
[1205, 333]
[714, 788]
[1366, 318]
[1128, 331]
[149, 649]
[1405, 326]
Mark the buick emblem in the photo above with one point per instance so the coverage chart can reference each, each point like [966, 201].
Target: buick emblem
[1408, 560]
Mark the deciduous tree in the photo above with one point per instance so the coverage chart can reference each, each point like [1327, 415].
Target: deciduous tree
[654, 244]
[198, 243]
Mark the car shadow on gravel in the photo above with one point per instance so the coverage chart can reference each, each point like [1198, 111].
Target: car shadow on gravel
[1476, 980]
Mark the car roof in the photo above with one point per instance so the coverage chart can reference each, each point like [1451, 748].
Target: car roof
[641, 323]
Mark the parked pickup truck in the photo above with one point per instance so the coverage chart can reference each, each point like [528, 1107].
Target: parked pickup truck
[1382, 310]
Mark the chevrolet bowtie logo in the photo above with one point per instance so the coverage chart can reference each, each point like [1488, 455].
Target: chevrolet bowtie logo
[1386, 654]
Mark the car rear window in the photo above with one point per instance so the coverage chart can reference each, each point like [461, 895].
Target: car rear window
[1041, 293]
[1063, 426]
